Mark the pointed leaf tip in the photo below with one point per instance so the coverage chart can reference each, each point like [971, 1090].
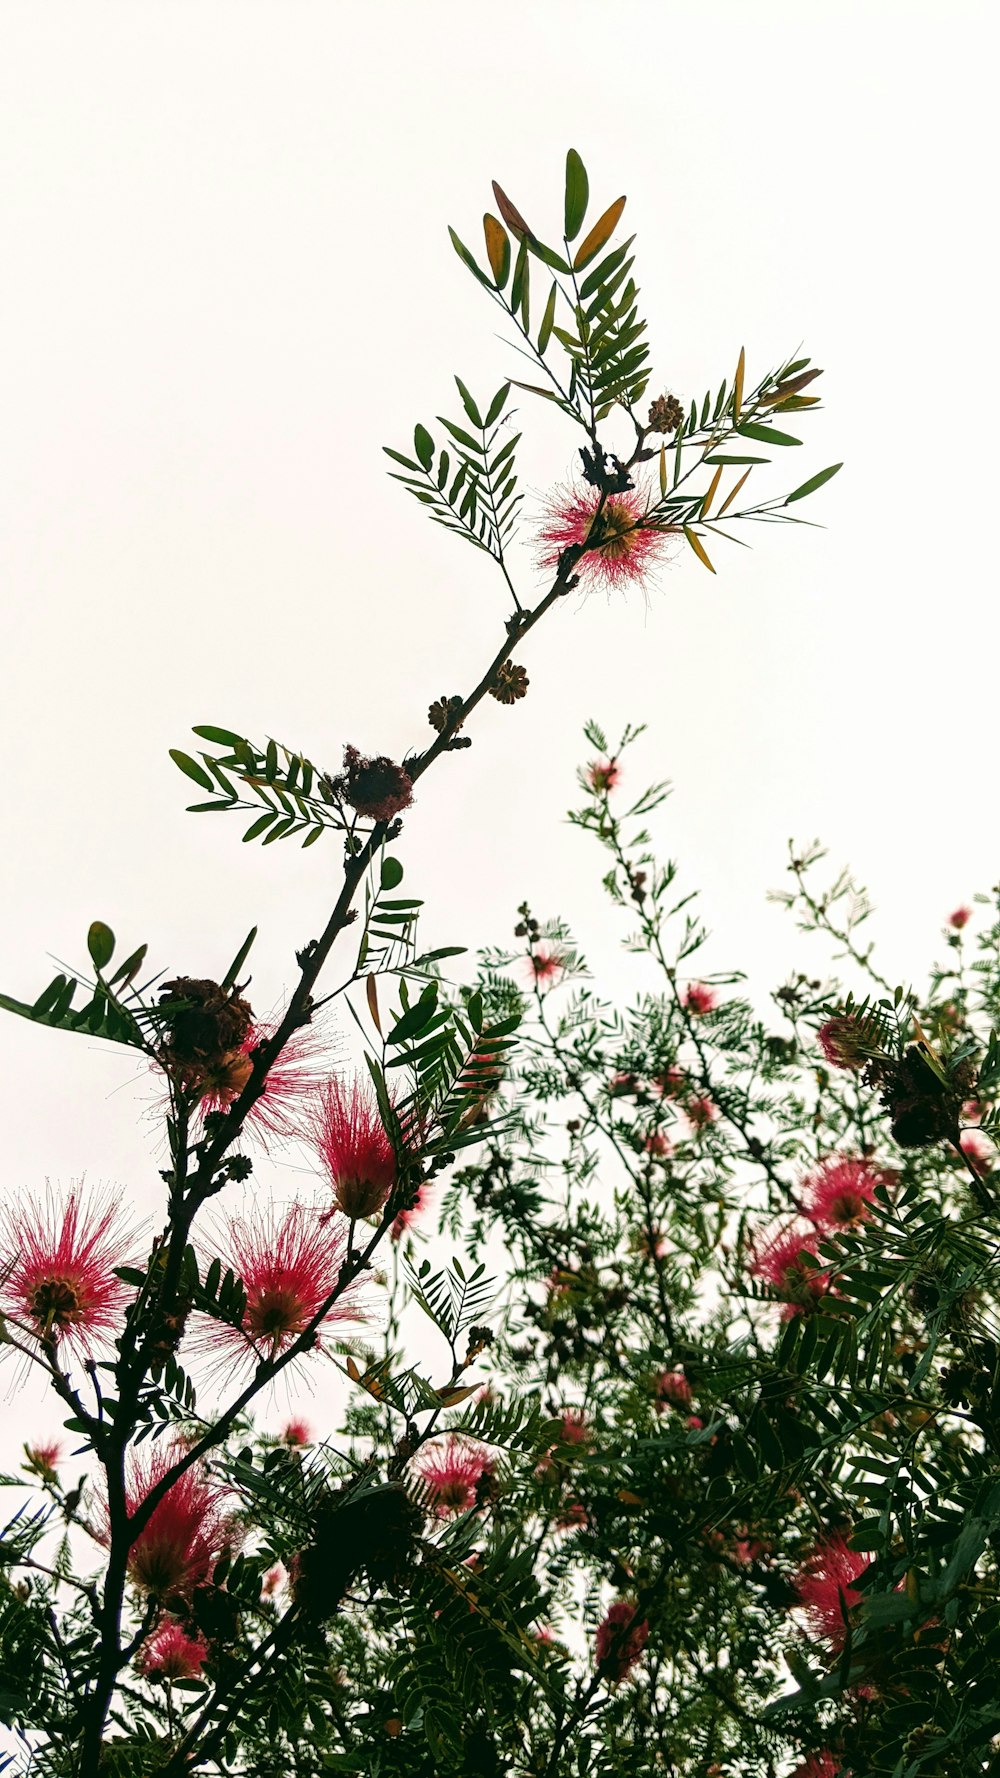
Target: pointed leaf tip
[599, 235]
[511, 216]
[497, 249]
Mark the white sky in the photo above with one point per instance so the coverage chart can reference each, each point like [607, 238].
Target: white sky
[228, 281]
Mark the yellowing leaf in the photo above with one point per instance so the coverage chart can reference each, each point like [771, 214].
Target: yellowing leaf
[352, 1370]
[663, 469]
[601, 232]
[710, 496]
[497, 249]
[371, 988]
[698, 547]
[731, 496]
[449, 1398]
[738, 387]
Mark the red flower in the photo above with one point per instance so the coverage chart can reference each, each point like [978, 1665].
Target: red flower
[43, 1459]
[779, 1263]
[839, 1192]
[452, 1469]
[172, 1654]
[620, 549]
[620, 1641]
[289, 1263]
[297, 1432]
[291, 1081]
[699, 998]
[603, 774]
[960, 918]
[672, 1387]
[657, 1146]
[819, 1765]
[354, 1148]
[57, 1268]
[839, 1039]
[824, 1588]
[188, 1530]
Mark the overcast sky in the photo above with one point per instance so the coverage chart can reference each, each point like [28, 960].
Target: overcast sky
[227, 282]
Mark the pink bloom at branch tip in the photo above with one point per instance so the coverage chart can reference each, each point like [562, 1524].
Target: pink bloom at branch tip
[353, 1146]
[57, 1268]
[620, 549]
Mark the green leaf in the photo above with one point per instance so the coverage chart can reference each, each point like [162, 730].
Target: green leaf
[391, 874]
[545, 331]
[520, 277]
[469, 405]
[496, 406]
[257, 827]
[766, 434]
[713, 458]
[466, 257]
[416, 1018]
[577, 194]
[423, 444]
[100, 944]
[130, 968]
[191, 769]
[814, 482]
[240, 958]
[223, 737]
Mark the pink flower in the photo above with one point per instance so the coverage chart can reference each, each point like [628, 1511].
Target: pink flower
[288, 1262]
[172, 1654]
[960, 918]
[603, 774]
[273, 1580]
[188, 1530]
[620, 549]
[452, 1469]
[406, 1218]
[546, 965]
[840, 1041]
[824, 1586]
[699, 998]
[673, 1389]
[621, 1084]
[575, 1430]
[977, 1150]
[354, 1148]
[839, 1192]
[657, 1145]
[573, 1517]
[57, 1268]
[44, 1459]
[297, 1433]
[620, 1641]
[701, 1111]
[291, 1082]
[779, 1263]
[670, 1083]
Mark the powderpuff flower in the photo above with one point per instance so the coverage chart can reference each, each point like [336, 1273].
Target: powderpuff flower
[699, 998]
[778, 1261]
[977, 1151]
[602, 774]
[43, 1460]
[273, 1580]
[297, 1433]
[452, 1469]
[673, 1390]
[57, 1269]
[620, 1640]
[292, 1081]
[172, 1654]
[187, 1531]
[671, 1082]
[701, 1111]
[839, 1192]
[657, 1146]
[289, 1262]
[620, 551]
[353, 1146]
[840, 1041]
[960, 918]
[621, 1084]
[573, 1517]
[546, 965]
[406, 1219]
[825, 1589]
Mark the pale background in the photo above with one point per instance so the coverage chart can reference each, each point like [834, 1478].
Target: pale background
[227, 281]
